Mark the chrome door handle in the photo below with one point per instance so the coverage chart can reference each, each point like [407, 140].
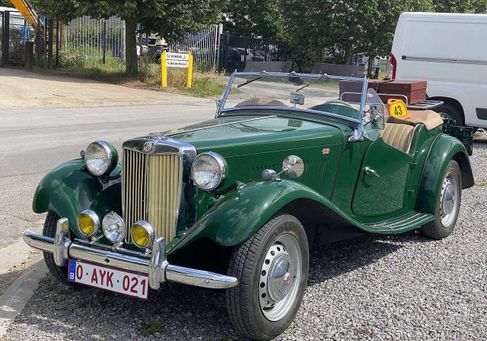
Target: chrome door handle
[368, 171]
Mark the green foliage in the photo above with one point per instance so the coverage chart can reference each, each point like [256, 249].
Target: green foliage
[169, 18]
[460, 6]
[6, 3]
[341, 28]
[253, 18]
[155, 326]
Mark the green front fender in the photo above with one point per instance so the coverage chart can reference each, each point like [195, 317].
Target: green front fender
[237, 216]
[443, 149]
[70, 189]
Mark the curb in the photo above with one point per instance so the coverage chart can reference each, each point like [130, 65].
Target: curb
[14, 299]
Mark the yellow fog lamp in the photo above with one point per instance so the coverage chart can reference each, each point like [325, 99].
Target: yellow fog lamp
[88, 223]
[142, 234]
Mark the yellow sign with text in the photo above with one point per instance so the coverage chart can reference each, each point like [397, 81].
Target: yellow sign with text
[397, 108]
[176, 60]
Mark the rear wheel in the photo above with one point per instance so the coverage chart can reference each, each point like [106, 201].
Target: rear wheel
[272, 269]
[447, 204]
[49, 230]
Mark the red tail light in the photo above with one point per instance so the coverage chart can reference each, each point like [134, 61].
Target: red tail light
[393, 62]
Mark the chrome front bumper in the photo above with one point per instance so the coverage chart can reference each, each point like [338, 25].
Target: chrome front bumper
[156, 266]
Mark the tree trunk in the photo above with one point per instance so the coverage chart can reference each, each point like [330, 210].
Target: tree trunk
[131, 62]
[348, 54]
[370, 62]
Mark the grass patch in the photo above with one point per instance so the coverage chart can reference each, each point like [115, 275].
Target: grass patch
[482, 183]
[155, 326]
[205, 84]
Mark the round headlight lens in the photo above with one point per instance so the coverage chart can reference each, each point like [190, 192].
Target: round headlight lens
[101, 158]
[88, 223]
[208, 171]
[142, 234]
[113, 227]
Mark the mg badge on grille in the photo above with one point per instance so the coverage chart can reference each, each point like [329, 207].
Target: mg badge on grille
[147, 146]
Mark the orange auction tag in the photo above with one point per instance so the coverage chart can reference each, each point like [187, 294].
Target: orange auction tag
[397, 108]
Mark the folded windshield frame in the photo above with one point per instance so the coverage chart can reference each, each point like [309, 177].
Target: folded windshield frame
[357, 124]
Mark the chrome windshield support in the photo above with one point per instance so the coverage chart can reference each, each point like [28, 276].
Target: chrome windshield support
[156, 267]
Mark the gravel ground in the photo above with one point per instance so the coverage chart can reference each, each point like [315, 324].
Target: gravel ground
[379, 288]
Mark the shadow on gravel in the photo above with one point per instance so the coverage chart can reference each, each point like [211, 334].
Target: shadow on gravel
[177, 311]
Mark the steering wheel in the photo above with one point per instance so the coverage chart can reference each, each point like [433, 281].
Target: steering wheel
[339, 102]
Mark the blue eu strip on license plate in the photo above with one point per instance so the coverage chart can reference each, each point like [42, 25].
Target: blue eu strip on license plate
[119, 281]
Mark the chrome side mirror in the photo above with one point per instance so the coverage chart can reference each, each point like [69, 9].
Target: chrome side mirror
[293, 166]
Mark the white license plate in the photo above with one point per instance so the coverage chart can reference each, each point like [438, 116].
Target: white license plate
[123, 282]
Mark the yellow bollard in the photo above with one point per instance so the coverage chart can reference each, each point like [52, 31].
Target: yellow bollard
[164, 69]
[189, 78]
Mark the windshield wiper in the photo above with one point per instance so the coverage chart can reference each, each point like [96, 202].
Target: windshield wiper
[303, 87]
[249, 81]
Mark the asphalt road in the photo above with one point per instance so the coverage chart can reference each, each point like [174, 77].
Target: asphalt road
[35, 140]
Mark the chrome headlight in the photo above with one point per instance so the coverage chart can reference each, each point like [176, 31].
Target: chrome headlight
[208, 171]
[113, 227]
[100, 158]
[142, 234]
[88, 223]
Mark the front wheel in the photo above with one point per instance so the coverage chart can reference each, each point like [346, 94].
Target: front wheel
[447, 204]
[272, 269]
[49, 230]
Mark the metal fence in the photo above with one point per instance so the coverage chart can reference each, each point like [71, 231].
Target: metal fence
[204, 45]
[99, 38]
[14, 32]
[237, 51]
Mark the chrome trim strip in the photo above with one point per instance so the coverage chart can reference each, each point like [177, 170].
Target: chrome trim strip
[444, 60]
[157, 267]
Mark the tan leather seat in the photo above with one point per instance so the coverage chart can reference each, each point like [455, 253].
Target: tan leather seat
[260, 101]
[398, 136]
[429, 118]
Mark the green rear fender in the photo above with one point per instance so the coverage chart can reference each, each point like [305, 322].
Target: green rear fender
[70, 189]
[237, 216]
[444, 149]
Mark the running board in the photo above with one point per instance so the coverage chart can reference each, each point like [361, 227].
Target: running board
[406, 222]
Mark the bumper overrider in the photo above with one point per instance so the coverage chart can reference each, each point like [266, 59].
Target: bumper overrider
[155, 266]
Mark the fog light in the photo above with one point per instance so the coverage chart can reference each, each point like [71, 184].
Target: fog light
[142, 234]
[113, 227]
[88, 223]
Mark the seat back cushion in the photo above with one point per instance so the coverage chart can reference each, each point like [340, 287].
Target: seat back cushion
[429, 118]
[398, 136]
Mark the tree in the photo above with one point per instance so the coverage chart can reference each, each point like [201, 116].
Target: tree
[169, 18]
[254, 18]
[344, 27]
[460, 6]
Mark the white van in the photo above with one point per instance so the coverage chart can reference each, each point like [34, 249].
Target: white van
[450, 52]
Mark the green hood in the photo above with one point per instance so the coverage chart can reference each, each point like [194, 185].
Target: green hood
[240, 135]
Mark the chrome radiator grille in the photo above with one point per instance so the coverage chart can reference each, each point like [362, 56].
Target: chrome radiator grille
[151, 191]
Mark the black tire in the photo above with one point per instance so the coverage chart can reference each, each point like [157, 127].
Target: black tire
[437, 229]
[246, 262]
[49, 230]
[451, 111]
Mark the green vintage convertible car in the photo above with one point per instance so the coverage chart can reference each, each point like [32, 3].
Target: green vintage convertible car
[237, 202]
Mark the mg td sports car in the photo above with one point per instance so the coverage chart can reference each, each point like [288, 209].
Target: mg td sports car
[236, 202]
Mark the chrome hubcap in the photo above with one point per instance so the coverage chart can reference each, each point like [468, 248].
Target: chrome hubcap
[279, 278]
[448, 200]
